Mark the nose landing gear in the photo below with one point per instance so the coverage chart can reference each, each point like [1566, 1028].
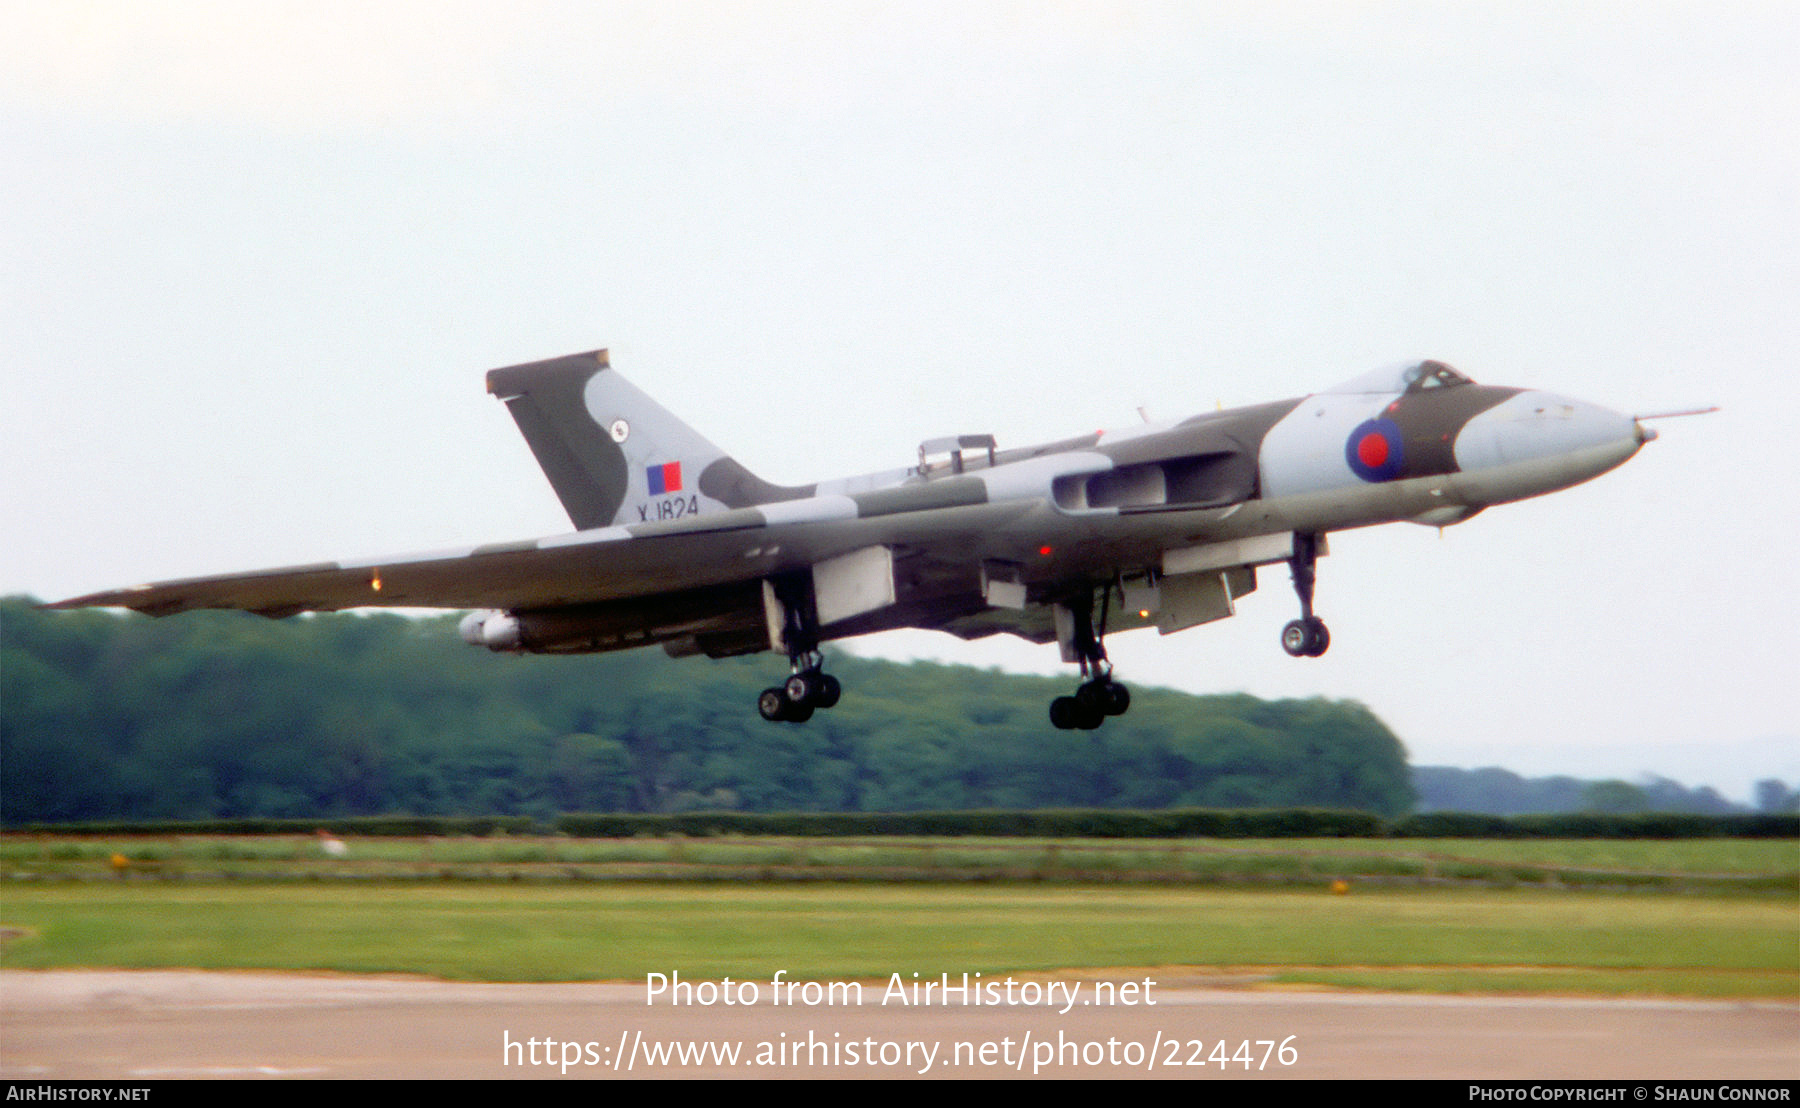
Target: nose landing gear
[1306, 637]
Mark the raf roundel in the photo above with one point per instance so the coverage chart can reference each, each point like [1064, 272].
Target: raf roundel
[1376, 450]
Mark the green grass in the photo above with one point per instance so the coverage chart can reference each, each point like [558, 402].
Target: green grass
[1740, 865]
[1542, 980]
[1437, 940]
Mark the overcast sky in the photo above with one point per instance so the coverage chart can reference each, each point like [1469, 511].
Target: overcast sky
[254, 259]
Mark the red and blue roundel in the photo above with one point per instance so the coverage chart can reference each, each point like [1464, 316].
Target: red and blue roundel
[1376, 450]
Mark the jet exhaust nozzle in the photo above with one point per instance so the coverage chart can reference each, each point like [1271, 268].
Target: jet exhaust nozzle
[493, 629]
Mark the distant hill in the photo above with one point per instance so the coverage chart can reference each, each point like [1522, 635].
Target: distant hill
[1496, 791]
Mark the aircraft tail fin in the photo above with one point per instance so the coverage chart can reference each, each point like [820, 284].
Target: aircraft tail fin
[613, 455]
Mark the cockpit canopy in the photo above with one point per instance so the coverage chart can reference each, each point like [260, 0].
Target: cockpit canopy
[955, 453]
[1408, 378]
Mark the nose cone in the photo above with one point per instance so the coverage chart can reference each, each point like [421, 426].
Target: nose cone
[1539, 441]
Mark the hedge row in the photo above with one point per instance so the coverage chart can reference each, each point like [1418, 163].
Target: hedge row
[1091, 823]
[1045, 823]
[1593, 825]
[370, 826]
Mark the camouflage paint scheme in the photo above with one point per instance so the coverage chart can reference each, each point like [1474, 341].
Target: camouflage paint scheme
[677, 543]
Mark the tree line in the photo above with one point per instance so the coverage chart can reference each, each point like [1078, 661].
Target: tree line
[226, 715]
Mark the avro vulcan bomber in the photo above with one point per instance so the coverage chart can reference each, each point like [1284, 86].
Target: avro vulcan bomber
[1159, 525]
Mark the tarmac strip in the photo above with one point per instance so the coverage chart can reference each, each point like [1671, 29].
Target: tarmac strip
[150, 1025]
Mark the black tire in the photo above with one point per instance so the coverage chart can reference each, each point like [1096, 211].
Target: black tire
[1321, 638]
[1092, 696]
[1088, 718]
[1118, 699]
[829, 691]
[803, 688]
[1062, 713]
[772, 705]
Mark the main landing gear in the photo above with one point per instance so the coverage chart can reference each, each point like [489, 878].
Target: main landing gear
[1306, 637]
[810, 688]
[1099, 695]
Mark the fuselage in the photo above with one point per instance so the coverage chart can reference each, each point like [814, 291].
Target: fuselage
[978, 540]
[1421, 444]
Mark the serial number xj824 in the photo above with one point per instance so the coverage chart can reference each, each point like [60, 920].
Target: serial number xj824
[1163, 525]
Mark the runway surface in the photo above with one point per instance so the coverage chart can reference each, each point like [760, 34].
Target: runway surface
[181, 1024]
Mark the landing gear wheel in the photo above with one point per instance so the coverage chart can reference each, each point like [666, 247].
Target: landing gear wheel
[813, 688]
[1295, 638]
[795, 700]
[1105, 696]
[1071, 713]
[1118, 699]
[803, 687]
[1305, 638]
[772, 705]
[1092, 697]
[775, 706]
[1321, 639]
